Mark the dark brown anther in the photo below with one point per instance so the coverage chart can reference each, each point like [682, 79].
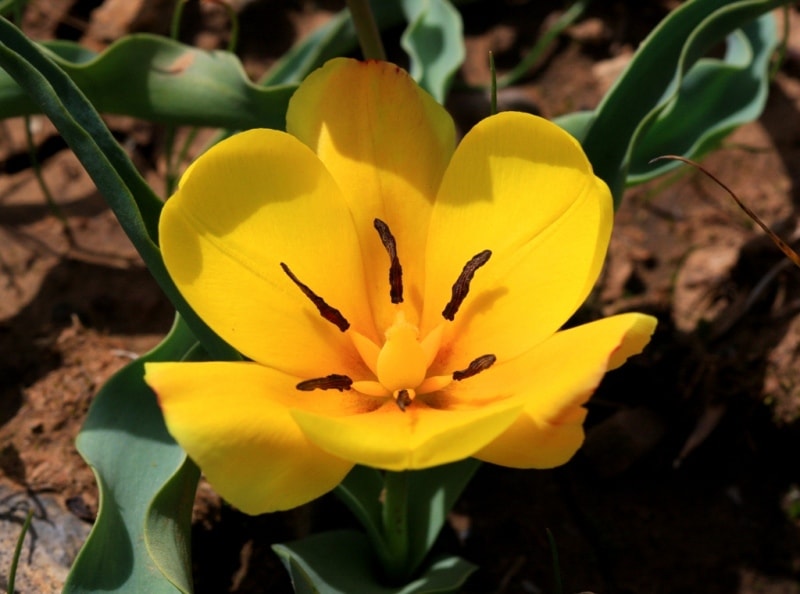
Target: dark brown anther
[329, 382]
[461, 286]
[480, 364]
[395, 270]
[403, 400]
[333, 315]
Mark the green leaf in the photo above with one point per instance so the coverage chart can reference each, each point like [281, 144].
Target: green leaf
[360, 491]
[649, 84]
[334, 38]
[432, 493]
[168, 521]
[161, 80]
[135, 461]
[715, 97]
[434, 41]
[567, 18]
[133, 202]
[8, 6]
[337, 37]
[342, 562]
[576, 123]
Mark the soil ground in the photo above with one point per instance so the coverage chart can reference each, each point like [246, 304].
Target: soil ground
[690, 477]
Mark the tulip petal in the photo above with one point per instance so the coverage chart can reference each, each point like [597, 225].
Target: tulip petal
[232, 420]
[387, 143]
[251, 202]
[420, 437]
[555, 379]
[521, 187]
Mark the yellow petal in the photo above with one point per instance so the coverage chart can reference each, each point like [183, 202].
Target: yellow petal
[521, 187]
[420, 437]
[232, 420]
[387, 144]
[251, 202]
[555, 380]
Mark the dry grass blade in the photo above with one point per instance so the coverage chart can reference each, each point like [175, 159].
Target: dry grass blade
[782, 245]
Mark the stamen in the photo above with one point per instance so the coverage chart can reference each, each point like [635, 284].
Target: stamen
[333, 315]
[395, 270]
[461, 286]
[329, 382]
[482, 363]
[403, 399]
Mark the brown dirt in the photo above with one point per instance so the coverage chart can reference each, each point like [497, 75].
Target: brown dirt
[689, 480]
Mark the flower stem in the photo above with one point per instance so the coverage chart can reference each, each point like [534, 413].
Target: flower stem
[395, 524]
[369, 37]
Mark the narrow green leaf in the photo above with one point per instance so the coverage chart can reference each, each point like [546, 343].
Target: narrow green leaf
[9, 6]
[133, 202]
[654, 76]
[434, 41]
[342, 562]
[14, 101]
[432, 493]
[126, 443]
[335, 38]
[12, 571]
[567, 18]
[360, 491]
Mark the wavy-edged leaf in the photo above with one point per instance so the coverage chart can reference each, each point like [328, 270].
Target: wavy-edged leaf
[715, 97]
[161, 80]
[126, 443]
[655, 74]
[434, 41]
[342, 562]
[167, 529]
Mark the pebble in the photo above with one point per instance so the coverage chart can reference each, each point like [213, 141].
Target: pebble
[50, 546]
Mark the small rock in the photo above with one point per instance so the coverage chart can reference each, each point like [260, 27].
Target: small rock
[51, 544]
[591, 31]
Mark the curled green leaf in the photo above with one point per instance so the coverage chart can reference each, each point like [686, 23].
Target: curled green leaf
[434, 41]
[161, 80]
[134, 459]
[654, 79]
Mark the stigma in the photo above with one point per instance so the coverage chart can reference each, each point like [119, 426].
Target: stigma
[400, 364]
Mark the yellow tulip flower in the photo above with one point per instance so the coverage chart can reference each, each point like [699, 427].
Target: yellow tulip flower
[399, 299]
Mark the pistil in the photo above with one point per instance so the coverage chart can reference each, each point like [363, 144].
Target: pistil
[400, 365]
